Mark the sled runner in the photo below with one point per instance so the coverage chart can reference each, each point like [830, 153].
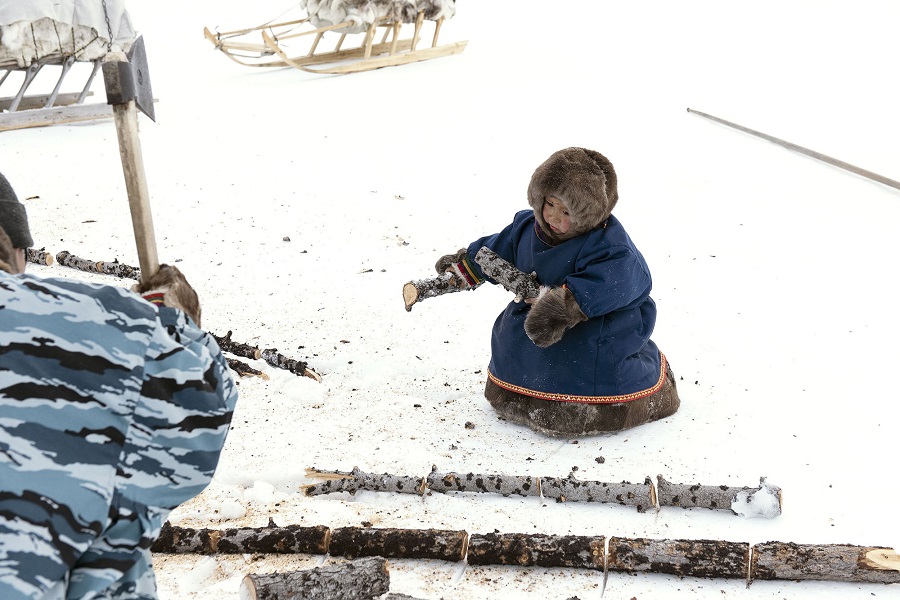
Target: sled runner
[300, 42]
[55, 36]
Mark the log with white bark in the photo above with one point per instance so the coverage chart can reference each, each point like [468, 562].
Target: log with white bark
[422, 289]
[237, 348]
[351, 542]
[290, 539]
[244, 370]
[537, 550]
[694, 558]
[507, 275]
[273, 357]
[570, 489]
[116, 268]
[762, 501]
[825, 562]
[355, 480]
[519, 485]
[38, 257]
[363, 579]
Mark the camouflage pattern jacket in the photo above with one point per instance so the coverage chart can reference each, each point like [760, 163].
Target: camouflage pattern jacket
[112, 413]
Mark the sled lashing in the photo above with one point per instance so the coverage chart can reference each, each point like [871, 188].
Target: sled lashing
[302, 42]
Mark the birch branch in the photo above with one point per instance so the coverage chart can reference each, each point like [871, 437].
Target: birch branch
[38, 257]
[695, 558]
[363, 579]
[537, 550]
[351, 542]
[116, 268]
[271, 540]
[355, 480]
[825, 562]
[762, 501]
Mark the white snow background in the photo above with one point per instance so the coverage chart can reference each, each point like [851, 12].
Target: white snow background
[774, 273]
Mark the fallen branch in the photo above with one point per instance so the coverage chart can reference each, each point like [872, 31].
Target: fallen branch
[764, 500]
[422, 289]
[520, 485]
[355, 480]
[825, 562]
[116, 268]
[811, 153]
[537, 550]
[507, 275]
[351, 542]
[38, 257]
[570, 489]
[695, 558]
[244, 370]
[363, 579]
[276, 359]
[272, 539]
[237, 348]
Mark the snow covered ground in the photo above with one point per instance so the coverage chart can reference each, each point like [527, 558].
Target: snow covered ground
[299, 204]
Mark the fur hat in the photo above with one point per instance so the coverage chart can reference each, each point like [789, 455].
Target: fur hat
[13, 218]
[584, 180]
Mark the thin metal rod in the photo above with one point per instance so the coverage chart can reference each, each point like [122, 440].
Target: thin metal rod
[812, 153]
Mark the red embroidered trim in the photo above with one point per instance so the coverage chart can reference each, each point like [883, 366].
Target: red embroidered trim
[156, 298]
[588, 399]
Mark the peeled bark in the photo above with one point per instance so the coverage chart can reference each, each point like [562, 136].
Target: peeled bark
[422, 289]
[116, 268]
[38, 257]
[570, 489]
[339, 481]
[537, 550]
[828, 562]
[268, 540]
[363, 579]
[721, 497]
[351, 542]
[520, 485]
[694, 558]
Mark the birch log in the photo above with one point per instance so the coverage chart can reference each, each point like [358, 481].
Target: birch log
[762, 501]
[297, 367]
[829, 562]
[422, 289]
[537, 550]
[506, 274]
[237, 348]
[244, 370]
[570, 489]
[116, 268]
[355, 480]
[268, 540]
[352, 542]
[519, 485]
[38, 257]
[694, 558]
[363, 579]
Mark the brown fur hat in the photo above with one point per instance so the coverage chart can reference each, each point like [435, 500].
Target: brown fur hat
[584, 180]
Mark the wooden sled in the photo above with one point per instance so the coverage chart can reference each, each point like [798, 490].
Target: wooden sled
[297, 43]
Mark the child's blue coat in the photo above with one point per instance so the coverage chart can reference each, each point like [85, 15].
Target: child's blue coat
[608, 358]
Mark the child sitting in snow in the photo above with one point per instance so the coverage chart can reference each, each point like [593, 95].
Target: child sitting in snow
[578, 359]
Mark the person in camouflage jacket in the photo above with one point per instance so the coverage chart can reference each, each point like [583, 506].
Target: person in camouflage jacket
[113, 411]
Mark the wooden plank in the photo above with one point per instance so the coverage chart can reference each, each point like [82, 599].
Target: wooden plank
[391, 61]
[31, 102]
[42, 117]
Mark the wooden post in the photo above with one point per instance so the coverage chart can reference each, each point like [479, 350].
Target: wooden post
[125, 116]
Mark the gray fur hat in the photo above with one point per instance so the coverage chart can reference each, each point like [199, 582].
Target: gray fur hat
[13, 217]
[586, 183]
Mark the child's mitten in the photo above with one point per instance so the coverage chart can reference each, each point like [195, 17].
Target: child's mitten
[170, 288]
[554, 311]
[460, 267]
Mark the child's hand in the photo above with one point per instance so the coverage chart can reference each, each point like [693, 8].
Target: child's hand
[453, 264]
[552, 312]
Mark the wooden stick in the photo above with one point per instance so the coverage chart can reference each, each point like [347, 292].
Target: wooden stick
[507, 275]
[695, 558]
[43, 117]
[352, 542]
[292, 539]
[738, 500]
[237, 348]
[67, 259]
[422, 289]
[244, 370]
[811, 153]
[363, 579]
[570, 489]
[125, 116]
[520, 485]
[355, 480]
[825, 562]
[537, 550]
[38, 257]
[276, 359]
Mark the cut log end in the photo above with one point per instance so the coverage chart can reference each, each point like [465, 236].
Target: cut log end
[410, 295]
[884, 559]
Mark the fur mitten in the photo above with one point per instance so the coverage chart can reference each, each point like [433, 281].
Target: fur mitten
[554, 311]
[170, 288]
[460, 267]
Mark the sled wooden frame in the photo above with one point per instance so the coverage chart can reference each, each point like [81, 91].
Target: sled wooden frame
[391, 50]
[48, 109]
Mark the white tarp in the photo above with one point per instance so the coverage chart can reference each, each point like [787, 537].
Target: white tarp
[49, 29]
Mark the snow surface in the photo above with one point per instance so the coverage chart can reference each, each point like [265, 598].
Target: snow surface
[774, 273]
